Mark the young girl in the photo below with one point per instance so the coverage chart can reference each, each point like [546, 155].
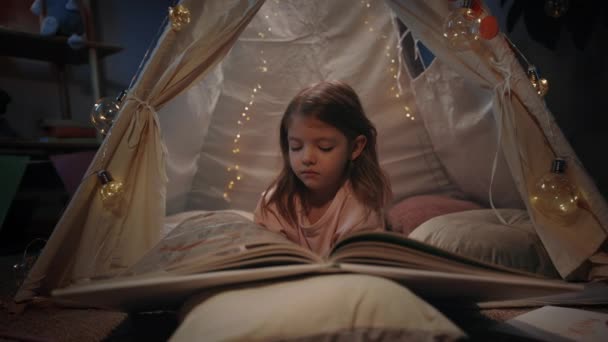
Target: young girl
[331, 182]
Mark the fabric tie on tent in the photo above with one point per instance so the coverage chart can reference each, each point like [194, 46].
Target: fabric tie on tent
[146, 104]
[501, 90]
[133, 139]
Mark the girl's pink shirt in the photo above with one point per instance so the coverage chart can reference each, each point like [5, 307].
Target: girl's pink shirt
[344, 215]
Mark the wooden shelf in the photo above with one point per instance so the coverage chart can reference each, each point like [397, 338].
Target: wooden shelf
[51, 49]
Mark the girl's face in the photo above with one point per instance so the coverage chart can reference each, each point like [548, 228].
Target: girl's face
[318, 154]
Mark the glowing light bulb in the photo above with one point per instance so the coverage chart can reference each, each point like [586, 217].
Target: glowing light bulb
[554, 196]
[179, 16]
[541, 85]
[111, 191]
[105, 111]
[466, 25]
[458, 28]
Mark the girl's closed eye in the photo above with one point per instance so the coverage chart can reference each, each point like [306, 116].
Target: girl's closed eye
[326, 148]
[295, 147]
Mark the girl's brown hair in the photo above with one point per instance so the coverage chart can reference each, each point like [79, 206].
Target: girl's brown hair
[337, 104]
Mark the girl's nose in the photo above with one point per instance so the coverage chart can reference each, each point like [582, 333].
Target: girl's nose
[308, 157]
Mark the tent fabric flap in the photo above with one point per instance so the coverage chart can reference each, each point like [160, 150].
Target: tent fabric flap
[518, 110]
[92, 241]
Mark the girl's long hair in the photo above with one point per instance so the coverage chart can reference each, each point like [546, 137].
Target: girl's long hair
[337, 104]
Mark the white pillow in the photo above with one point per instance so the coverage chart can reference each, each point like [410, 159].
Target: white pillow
[480, 235]
[340, 307]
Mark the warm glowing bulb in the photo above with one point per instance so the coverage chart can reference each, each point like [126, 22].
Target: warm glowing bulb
[111, 191]
[179, 16]
[105, 111]
[458, 28]
[554, 196]
[464, 26]
[541, 85]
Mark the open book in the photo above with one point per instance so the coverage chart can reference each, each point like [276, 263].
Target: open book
[221, 248]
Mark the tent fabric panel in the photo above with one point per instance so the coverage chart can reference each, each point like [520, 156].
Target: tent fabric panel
[184, 124]
[530, 152]
[282, 56]
[117, 243]
[496, 67]
[569, 244]
[121, 235]
[87, 227]
[458, 116]
[220, 23]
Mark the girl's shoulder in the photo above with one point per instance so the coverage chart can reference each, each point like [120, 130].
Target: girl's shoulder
[350, 197]
[347, 188]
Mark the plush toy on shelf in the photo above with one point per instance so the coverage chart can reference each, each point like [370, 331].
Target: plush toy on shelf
[61, 17]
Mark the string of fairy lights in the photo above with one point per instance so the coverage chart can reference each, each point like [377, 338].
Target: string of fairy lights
[234, 171]
[392, 53]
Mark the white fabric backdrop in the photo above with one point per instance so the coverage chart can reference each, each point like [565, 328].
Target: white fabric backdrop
[299, 44]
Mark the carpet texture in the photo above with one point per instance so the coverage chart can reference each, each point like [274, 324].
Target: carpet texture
[48, 322]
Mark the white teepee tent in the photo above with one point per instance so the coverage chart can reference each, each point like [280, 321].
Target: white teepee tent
[197, 130]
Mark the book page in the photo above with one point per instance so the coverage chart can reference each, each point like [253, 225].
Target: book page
[552, 323]
[392, 249]
[217, 240]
